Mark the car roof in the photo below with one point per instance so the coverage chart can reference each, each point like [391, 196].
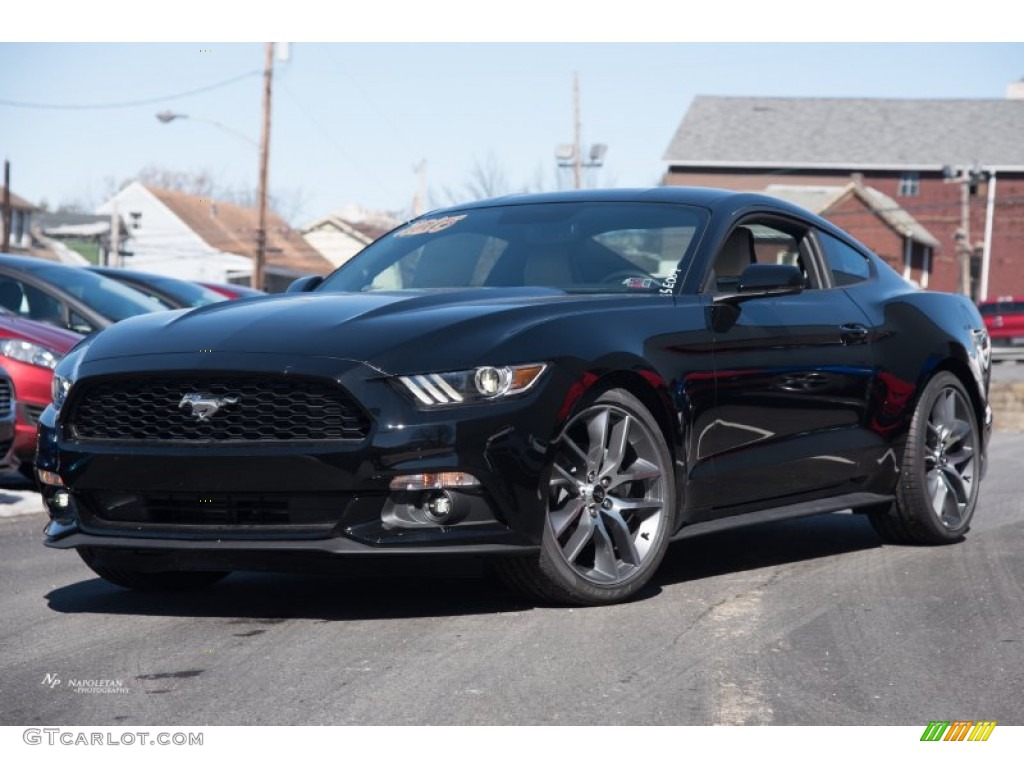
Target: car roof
[32, 263]
[718, 201]
[706, 197]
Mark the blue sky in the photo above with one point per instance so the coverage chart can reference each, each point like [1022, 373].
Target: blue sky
[351, 120]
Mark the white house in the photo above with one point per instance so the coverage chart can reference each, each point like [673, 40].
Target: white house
[193, 238]
[341, 235]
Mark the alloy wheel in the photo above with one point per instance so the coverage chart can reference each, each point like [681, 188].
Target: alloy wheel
[607, 494]
[950, 458]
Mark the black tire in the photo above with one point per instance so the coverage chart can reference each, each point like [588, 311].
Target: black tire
[108, 569]
[613, 507]
[938, 488]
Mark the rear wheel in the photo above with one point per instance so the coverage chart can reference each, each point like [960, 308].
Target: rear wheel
[110, 570]
[938, 487]
[610, 508]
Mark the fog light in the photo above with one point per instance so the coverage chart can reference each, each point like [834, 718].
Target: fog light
[46, 477]
[62, 499]
[439, 507]
[443, 508]
[429, 480]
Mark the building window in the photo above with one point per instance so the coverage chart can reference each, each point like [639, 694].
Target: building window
[910, 183]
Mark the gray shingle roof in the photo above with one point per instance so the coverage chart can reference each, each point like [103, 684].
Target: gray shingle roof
[849, 133]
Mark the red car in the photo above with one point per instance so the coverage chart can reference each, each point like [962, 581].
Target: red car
[29, 351]
[233, 291]
[1004, 319]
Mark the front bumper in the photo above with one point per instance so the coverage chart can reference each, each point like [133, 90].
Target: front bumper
[248, 502]
[8, 433]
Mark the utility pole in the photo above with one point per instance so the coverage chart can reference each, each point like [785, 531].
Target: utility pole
[571, 155]
[114, 254]
[421, 188]
[969, 179]
[6, 244]
[965, 241]
[261, 227]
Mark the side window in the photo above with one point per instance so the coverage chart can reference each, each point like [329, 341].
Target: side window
[757, 243]
[79, 324]
[44, 307]
[848, 265]
[12, 296]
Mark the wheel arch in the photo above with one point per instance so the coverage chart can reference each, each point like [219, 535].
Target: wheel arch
[962, 372]
[654, 400]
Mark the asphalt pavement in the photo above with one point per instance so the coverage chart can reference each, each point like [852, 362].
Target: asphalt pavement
[807, 622]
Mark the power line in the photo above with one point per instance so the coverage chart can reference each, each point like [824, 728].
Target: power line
[124, 104]
[360, 168]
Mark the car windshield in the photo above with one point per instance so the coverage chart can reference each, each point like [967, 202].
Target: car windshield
[591, 247]
[112, 299]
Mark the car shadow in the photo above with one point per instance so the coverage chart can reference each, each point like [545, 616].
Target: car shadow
[765, 545]
[393, 589]
[364, 590]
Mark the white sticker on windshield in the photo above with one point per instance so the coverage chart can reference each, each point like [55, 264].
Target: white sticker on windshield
[429, 226]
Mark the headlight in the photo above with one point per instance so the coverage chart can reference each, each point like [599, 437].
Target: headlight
[482, 384]
[27, 352]
[59, 390]
[66, 372]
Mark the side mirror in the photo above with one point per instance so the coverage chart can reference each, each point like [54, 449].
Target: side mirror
[762, 280]
[305, 284]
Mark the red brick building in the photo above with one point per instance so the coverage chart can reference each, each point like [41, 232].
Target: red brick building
[902, 149]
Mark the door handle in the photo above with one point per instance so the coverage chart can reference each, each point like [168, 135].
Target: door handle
[853, 333]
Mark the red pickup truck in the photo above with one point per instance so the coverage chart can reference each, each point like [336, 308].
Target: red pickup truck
[1004, 318]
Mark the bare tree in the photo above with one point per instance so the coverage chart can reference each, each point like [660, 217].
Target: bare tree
[288, 204]
[487, 178]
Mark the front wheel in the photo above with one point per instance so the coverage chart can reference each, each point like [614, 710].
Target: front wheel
[939, 478]
[610, 508]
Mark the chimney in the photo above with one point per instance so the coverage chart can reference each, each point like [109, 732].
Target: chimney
[1015, 90]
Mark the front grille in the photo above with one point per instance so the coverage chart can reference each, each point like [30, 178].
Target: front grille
[217, 510]
[33, 413]
[268, 409]
[6, 396]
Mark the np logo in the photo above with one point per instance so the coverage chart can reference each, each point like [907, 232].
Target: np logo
[51, 680]
[958, 730]
[203, 405]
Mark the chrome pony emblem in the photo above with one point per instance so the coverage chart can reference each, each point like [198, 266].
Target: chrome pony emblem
[203, 405]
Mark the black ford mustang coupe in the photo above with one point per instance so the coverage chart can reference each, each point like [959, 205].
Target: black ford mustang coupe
[562, 383]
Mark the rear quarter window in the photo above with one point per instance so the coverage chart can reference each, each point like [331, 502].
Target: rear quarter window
[848, 265]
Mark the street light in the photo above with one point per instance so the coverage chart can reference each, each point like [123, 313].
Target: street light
[167, 116]
[264, 156]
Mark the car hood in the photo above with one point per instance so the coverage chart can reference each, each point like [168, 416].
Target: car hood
[388, 330]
